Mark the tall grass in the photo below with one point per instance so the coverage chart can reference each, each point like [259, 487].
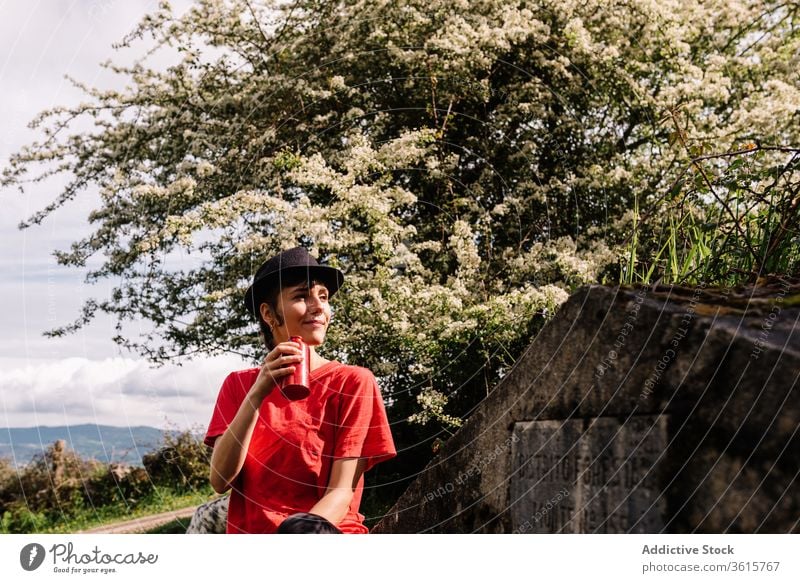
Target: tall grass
[728, 220]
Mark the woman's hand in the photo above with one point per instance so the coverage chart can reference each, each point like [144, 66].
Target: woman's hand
[280, 362]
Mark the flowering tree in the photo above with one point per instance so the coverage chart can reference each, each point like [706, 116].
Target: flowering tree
[465, 164]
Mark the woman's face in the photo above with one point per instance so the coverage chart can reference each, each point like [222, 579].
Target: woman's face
[306, 313]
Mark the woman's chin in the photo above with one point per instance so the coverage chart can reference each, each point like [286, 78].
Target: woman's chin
[314, 338]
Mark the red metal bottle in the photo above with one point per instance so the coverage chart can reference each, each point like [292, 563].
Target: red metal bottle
[295, 386]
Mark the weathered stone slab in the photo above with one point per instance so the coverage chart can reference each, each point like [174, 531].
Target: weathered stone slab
[588, 475]
[719, 370]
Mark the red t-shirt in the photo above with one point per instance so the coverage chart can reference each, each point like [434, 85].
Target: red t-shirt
[294, 443]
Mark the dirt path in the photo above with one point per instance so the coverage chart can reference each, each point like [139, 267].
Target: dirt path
[142, 524]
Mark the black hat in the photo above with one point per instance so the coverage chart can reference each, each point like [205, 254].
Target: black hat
[291, 261]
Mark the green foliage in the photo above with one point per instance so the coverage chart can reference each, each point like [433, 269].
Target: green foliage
[118, 485]
[49, 483]
[18, 519]
[730, 218]
[181, 463]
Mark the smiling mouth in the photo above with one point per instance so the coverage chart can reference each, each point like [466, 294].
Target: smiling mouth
[320, 324]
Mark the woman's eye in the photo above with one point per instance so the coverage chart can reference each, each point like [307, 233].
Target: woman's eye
[323, 297]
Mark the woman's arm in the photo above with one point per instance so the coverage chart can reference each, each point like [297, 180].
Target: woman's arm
[345, 474]
[230, 448]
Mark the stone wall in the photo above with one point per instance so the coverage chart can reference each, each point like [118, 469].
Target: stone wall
[634, 410]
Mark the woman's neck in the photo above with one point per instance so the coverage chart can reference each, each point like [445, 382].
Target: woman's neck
[316, 360]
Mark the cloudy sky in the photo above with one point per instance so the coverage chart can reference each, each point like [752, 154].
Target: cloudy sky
[85, 377]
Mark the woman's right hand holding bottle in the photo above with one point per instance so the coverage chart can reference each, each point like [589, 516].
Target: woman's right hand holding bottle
[280, 362]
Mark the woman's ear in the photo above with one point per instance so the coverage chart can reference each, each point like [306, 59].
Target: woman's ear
[266, 314]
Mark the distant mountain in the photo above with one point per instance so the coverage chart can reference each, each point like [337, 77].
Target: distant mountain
[104, 443]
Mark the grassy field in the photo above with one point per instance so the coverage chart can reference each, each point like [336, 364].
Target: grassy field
[160, 500]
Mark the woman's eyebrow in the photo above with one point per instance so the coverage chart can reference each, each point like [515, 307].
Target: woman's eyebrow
[304, 288]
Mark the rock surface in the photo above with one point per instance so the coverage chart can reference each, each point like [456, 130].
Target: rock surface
[664, 409]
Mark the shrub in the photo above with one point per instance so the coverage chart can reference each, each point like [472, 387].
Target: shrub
[119, 484]
[182, 463]
[50, 482]
[18, 519]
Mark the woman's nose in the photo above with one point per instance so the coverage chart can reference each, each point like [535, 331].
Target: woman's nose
[314, 302]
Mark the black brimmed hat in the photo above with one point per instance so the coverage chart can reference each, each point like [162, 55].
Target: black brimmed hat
[289, 262]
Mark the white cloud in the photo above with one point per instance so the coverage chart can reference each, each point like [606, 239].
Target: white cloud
[112, 391]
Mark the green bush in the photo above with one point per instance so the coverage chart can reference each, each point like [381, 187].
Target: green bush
[182, 463]
[119, 485]
[731, 218]
[19, 519]
[49, 483]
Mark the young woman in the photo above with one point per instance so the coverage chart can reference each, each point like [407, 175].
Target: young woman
[280, 457]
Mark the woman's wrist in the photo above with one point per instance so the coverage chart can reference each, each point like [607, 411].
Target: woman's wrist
[257, 395]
